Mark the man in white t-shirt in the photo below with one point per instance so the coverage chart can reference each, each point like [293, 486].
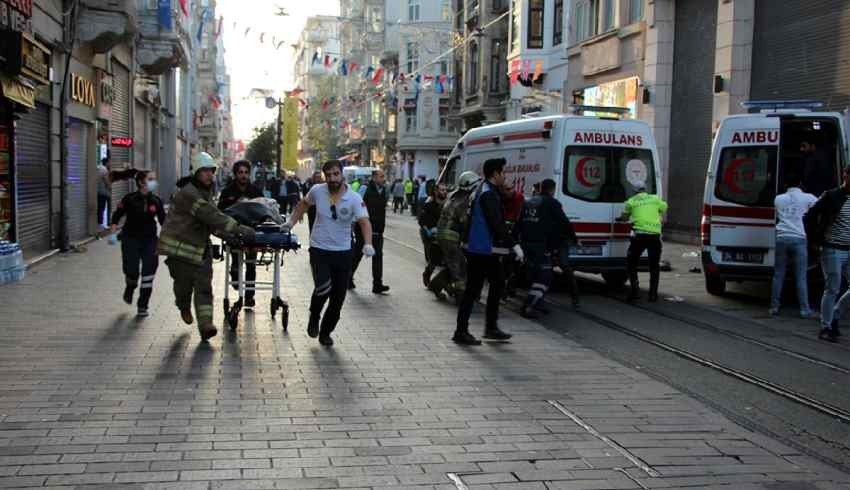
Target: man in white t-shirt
[791, 243]
[337, 208]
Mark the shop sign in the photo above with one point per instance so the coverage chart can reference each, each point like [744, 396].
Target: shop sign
[619, 93]
[105, 95]
[11, 19]
[25, 56]
[82, 90]
[18, 91]
[122, 142]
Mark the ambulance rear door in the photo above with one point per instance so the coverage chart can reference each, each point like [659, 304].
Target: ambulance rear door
[740, 201]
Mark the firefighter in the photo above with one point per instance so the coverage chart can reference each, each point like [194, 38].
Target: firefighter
[543, 229]
[185, 241]
[428, 220]
[451, 227]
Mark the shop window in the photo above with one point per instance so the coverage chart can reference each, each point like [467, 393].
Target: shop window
[536, 16]
[558, 23]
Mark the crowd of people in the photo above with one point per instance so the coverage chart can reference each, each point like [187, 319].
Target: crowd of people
[482, 230]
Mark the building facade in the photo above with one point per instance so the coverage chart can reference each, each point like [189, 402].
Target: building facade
[114, 98]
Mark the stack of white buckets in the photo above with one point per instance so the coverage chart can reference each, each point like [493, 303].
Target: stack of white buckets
[12, 268]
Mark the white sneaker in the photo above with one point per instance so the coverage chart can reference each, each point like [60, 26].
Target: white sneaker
[143, 313]
[773, 312]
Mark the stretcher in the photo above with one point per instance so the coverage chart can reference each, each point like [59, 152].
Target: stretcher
[267, 248]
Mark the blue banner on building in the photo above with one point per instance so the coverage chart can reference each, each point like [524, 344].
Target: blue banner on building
[164, 14]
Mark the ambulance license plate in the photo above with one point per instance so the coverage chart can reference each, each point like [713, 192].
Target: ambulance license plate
[743, 256]
[586, 250]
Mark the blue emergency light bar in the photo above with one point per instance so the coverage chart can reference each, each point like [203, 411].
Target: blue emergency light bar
[580, 109]
[782, 104]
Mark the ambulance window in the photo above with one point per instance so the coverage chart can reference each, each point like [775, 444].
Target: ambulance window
[607, 173]
[747, 175]
[586, 172]
[450, 173]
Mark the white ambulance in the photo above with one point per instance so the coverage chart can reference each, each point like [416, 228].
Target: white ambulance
[352, 173]
[751, 157]
[597, 163]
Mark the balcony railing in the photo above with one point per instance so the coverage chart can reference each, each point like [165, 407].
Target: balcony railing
[103, 24]
[162, 47]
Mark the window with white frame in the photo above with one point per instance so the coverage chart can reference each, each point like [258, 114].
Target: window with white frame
[446, 10]
[497, 66]
[391, 122]
[445, 124]
[607, 15]
[413, 10]
[376, 19]
[536, 19]
[585, 19]
[376, 113]
[412, 57]
[558, 23]
[410, 121]
[635, 11]
[516, 28]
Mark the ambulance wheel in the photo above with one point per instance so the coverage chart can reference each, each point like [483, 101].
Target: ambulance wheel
[615, 279]
[715, 285]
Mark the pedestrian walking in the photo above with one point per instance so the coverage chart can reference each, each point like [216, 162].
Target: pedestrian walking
[644, 210]
[451, 230]
[293, 193]
[185, 241]
[827, 225]
[337, 208]
[429, 217]
[104, 193]
[791, 244]
[241, 189]
[397, 191]
[513, 202]
[542, 229]
[488, 240]
[408, 196]
[422, 193]
[142, 209]
[375, 198]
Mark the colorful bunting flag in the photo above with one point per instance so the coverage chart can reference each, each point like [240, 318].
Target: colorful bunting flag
[379, 75]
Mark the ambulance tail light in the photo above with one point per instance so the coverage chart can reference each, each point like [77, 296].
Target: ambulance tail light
[549, 125]
[705, 225]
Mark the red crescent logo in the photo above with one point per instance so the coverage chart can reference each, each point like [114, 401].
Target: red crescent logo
[580, 171]
[729, 174]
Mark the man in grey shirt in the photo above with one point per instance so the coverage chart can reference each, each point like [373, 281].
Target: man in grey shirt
[337, 208]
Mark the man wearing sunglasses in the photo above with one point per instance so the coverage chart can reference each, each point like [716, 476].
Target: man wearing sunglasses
[337, 208]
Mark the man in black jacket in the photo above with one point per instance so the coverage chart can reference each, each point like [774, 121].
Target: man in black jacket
[828, 225]
[241, 189]
[375, 200]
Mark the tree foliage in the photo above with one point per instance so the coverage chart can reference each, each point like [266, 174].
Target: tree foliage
[321, 130]
[262, 147]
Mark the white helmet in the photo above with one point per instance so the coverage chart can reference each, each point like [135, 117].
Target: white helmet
[203, 160]
[467, 180]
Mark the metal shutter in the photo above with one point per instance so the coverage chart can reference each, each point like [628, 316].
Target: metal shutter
[77, 180]
[120, 126]
[32, 163]
[691, 116]
[800, 51]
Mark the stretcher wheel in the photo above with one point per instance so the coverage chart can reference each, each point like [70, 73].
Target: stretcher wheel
[279, 304]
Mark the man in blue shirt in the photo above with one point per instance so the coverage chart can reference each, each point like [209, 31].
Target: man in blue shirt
[487, 244]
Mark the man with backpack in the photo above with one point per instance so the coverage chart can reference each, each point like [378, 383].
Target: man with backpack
[487, 243]
[827, 224]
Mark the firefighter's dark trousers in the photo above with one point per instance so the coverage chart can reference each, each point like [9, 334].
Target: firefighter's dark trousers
[137, 252]
[190, 281]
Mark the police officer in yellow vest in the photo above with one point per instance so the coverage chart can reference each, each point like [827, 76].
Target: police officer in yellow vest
[185, 240]
[644, 210]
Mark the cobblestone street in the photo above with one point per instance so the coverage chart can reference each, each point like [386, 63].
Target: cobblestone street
[89, 396]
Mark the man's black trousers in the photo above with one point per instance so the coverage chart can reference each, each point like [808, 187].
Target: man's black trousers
[331, 275]
[250, 271]
[652, 245]
[479, 269]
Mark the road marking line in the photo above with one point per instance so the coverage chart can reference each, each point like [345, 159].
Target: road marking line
[607, 440]
[455, 478]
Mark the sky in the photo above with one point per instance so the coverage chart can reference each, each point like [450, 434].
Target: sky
[253, 64]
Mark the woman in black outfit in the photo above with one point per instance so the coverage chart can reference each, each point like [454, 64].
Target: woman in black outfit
[138, 237]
